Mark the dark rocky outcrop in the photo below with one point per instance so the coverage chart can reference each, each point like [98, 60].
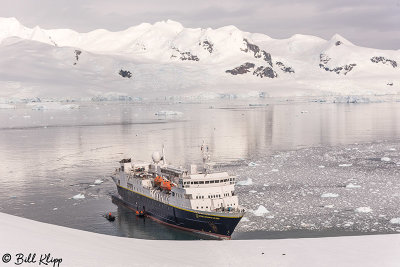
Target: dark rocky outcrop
[242, 69]
[265, 72]
[284, 68]
[125, 73]
[324, 59]
[185, 55]
[77, 54]
[338, 43]
[257, 52]
[384, 60]
[207, 45]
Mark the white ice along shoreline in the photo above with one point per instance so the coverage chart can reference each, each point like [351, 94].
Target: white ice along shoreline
[80, 248]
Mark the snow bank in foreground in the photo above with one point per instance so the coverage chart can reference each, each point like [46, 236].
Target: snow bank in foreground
[249, 181]
[90, 249]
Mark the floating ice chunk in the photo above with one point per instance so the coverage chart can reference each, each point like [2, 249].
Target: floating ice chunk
[363, 209]
[249, 181]
[253, 191]
[274, 170]
[304, 111]
[168, 113]
[329, 195]
[321, 166]
[395, 221]
[7, 106]
[79, 196]
[26, 117]
[346, 165]
[98, 181]
[252, 164]
[261, 211]
[392, 149]
[386, 159]
[245, 219]
[329, 206]
[350, 185]
[55, 208]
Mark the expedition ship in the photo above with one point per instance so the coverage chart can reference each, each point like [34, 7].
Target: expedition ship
[202, 202]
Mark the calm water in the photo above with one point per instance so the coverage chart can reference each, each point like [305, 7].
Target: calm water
[47, 157]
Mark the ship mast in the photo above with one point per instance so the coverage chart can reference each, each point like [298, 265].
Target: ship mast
[206, 156]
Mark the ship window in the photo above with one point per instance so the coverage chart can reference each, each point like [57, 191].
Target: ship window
[207, 182]
[217, 181]
[196, 182]
[211, 182]
[202, 207]
[201, 182]
[191, 182]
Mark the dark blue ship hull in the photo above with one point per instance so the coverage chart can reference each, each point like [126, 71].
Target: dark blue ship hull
[214, 225]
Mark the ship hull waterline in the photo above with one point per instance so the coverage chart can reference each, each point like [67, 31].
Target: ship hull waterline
[220, 227]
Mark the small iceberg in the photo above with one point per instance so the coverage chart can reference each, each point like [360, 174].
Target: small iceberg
[261, 211]
[395, 221]
[252, 164]
[168, 113]
[386, 159]
[249, 181]
[346, 165]
[79, 196]
[363, 209]
[98, 181]
[353, 186]
[326, 195]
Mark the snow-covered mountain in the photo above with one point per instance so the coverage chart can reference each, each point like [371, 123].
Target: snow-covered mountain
[165, 59]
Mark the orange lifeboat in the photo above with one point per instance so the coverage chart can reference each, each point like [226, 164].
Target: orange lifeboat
[158, 180]
[166, 185]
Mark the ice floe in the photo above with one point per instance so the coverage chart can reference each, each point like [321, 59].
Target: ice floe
[249, 181]
[98, 181]
[395, 221]
[350, 185]
[345, 165]
[261, 211]
[327, 195]
[363, 209]
[386, 159]
[252, 164]
[79, 196]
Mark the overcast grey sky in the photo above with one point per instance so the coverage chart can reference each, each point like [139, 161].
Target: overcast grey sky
[371, 23]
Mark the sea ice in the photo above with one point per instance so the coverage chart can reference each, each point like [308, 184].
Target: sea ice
[252, 164]
[7, 106]
[363, 209]
[261, 211]
[245, 219]
[353, 186]
[253, 191]
[79, 196]
[346, 165]
[386, 159]
[98, 181]
[168, 113]
[249, 181]
[329, 195]
[395, 221]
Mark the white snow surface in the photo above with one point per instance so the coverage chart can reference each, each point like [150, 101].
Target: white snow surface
[395, 221]
[326, 195]
[167, 60]
[80, 248]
